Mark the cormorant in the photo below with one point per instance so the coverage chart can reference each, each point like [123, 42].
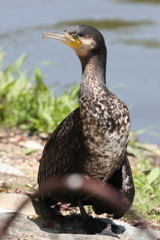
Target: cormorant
[92, 140]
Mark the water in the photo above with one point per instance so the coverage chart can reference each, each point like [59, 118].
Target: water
[133, 51]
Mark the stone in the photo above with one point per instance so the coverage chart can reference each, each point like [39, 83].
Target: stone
[11, 201]
[28, 225]
[30, 144]
[6, 168]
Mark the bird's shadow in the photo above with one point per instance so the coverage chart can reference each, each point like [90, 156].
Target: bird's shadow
[51, 221]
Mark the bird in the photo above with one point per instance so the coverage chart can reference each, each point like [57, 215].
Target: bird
[92, 140]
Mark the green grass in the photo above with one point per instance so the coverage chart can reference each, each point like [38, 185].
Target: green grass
[147, 186]
[146, 175]
[26, 102]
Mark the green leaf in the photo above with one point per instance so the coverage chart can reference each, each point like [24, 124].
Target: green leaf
[153, 175]
[144, 130]
[40, 85]
[18, 63]
[28, 151]
[47, 63]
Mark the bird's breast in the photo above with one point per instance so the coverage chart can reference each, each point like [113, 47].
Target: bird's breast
[105, 128]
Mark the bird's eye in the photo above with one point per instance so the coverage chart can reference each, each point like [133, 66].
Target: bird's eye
[76, 36]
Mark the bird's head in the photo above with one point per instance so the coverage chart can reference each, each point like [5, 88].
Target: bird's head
[82, 39]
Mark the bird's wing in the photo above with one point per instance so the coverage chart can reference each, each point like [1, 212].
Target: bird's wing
[61, 148]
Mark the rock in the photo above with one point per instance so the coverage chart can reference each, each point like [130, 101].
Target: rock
[31, 145]
[11, 201]
[43, 135]
[6, 168]
[28, 225]
[133, 233]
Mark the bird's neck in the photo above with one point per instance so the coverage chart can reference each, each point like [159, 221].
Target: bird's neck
[94, 68]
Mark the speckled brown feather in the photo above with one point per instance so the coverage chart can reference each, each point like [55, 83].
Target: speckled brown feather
[61, 148]
[123, 182]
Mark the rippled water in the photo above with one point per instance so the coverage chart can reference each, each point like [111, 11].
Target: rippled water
[132, 33]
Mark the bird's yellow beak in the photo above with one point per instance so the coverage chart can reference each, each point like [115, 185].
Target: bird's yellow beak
[63, 37]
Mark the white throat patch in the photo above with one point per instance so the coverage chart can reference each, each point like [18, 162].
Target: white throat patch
[86, 45]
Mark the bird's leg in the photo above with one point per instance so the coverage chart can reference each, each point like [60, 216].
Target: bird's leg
[95, 226]
[84, 215]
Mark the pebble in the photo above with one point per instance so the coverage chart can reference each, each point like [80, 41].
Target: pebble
[31, 145]
[7, 169]
[43, 135]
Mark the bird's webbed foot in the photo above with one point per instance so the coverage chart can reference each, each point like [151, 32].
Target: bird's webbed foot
[95, 226]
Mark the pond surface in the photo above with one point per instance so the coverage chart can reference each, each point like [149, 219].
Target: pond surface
[132, 33]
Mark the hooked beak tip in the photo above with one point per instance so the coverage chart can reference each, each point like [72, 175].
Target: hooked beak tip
[44, 35]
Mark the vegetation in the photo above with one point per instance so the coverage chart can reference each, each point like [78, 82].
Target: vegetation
[146, 174]
[143, 42]
[26, 102]
[106, 23]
